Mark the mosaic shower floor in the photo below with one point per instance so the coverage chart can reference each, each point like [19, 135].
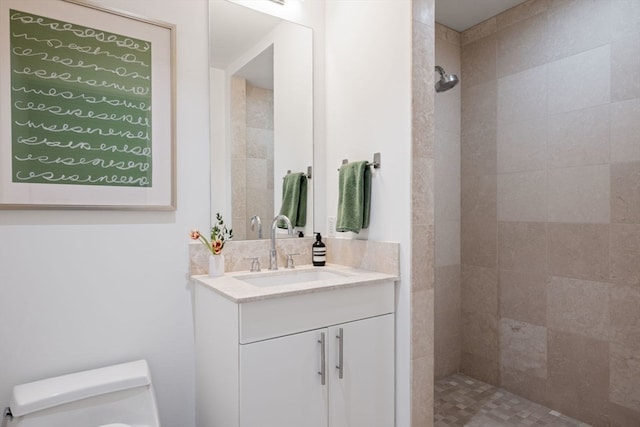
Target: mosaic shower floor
[461, 401]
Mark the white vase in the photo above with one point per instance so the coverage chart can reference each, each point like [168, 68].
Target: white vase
[216, 265]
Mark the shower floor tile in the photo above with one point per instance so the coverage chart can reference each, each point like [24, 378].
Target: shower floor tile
[462, 401]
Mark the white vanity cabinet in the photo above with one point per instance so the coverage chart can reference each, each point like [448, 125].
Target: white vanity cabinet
[296, 381]
[279, 385]
[317, 359]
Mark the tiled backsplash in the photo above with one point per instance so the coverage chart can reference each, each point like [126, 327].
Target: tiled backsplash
[383, 257]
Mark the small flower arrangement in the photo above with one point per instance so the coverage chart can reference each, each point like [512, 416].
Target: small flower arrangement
[219, 235]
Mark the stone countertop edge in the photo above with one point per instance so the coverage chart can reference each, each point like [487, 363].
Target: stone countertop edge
[239, 291]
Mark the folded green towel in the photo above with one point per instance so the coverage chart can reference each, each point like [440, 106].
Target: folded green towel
[294, 200]
[354, 197]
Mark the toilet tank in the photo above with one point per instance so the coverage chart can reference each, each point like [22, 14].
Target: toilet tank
[119, 394]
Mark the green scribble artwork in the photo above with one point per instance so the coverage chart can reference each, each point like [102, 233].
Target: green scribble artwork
[80, 104]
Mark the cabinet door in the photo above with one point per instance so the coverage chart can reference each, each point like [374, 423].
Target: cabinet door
[279, 382]
[364, 396]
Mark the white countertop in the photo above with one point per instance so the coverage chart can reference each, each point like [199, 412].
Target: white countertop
[233, 288]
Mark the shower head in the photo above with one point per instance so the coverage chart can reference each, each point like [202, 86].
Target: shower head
[447, 81]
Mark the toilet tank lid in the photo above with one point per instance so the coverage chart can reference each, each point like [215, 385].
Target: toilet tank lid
[43, 394]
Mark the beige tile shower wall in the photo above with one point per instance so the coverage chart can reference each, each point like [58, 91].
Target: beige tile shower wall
[252, 146]
[259, 158]
[447, 338]
[238, 156]
[550, 155]
[422, 214]
[479, 208]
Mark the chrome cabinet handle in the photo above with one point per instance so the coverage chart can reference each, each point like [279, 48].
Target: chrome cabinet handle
[340, 366]
[322, 372]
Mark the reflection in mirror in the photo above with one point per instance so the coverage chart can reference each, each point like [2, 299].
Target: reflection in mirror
[262, 115]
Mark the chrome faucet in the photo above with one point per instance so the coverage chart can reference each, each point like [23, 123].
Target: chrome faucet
[273, 255]
[256, 220]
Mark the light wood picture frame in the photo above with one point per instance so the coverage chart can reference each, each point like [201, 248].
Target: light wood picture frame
[87, 108]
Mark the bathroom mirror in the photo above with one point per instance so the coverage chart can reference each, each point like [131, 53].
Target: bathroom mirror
[261, 70]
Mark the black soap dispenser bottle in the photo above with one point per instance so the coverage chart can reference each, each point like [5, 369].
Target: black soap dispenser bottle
[319, 252]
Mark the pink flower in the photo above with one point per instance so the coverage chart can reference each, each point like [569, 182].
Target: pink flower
[219, 235]
[216, 246]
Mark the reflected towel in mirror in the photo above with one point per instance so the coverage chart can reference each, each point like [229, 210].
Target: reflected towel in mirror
[294, 199]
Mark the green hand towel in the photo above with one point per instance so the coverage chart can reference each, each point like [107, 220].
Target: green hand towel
[294, 200]
[354, 197]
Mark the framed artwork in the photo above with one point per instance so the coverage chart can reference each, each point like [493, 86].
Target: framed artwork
[87, 108]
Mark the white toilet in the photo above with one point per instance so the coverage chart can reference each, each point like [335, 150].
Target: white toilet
[115, 396]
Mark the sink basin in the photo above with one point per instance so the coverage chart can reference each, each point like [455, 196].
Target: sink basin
[290, 277]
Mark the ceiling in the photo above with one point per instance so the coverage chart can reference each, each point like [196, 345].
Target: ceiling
[235, 28]
[461, 15]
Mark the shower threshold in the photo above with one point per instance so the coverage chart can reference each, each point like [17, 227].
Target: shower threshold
[462, 401]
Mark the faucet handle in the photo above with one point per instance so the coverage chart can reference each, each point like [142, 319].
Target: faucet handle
[289, 263]
[255, 264]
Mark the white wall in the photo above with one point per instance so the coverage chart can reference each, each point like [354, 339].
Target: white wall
[293, 128]
[80, 289]
[368, 96]
[220, 131]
